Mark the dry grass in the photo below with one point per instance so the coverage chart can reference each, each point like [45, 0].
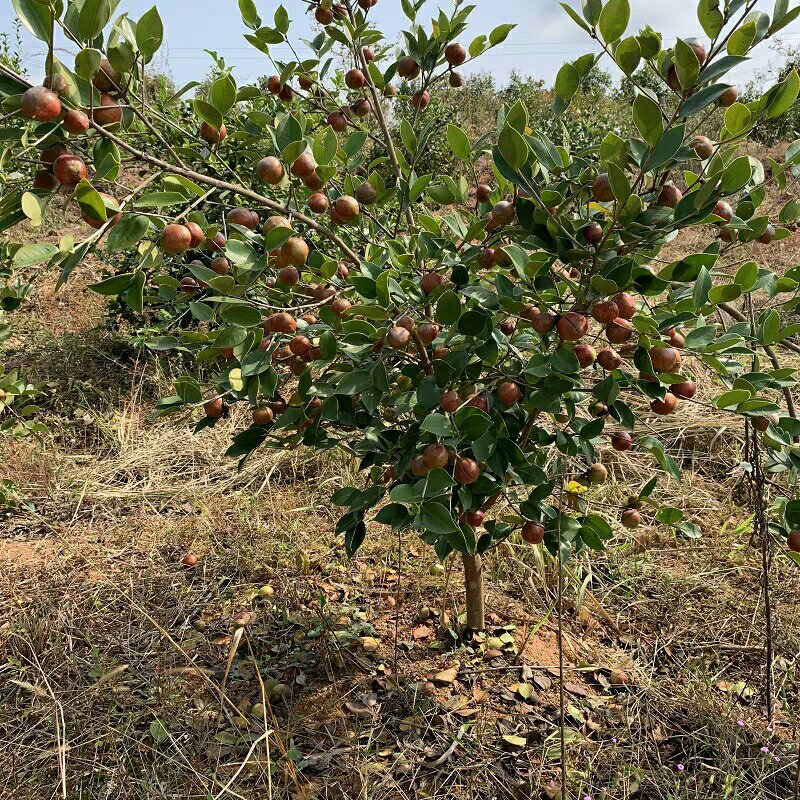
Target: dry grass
[126, 675]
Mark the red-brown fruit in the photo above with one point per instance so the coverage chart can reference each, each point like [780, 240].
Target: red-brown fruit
[698, 47]
[601, 188]
[354, 79]
[621, 441]
[664, 359]
[407, 68]
[56, 83]
[675, 337]
[44, 179]
[366, 194]
[572, 326]
[619, 331]
[793, 540]
[108, 113]
[420, 99]
[340, 306]
[286, 94]
[300, 345]
[263, 416]
[508, 326]
[338, 121]
[398, 338]
[483, 192]
[69, 170]
[196, 232]
[724, 211]
[270, 170]
[211, 134]
[428, 332]
[435, 456]
[455, 54]
[626, 303]
[474, 518]
[214, 407]
[419, 467]
[450, 401]
[347, 207]
[767, 236]
[106, 79]
[585, 354]
[631, 518]
[304, 165]
[593, 233]
[669, 196]
[295, 251]
[479, 402]
[40, 104]
[112, 213]
[176, 239]
[605, 312]
[50, 154]
[430, 281]
[503, 212]
[240, 216]
[532, 532]
[466, 471]
[289, 276]
[597, 474]
[190, 559]
[362, 107]
[703, 147]
[322, 15]
[318, 203]
[609, 359]
[221, 265]
[728, 97]
[508, 393]
[685, 390]
[274, 84]
[665, 406]
[544, 322]
[76, 122]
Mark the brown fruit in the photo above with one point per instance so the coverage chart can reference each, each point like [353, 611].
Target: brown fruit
[532, 532]
[436, 456]
[762, 423]
[286, 94]
[274, 222]
[793, 540]
[322, 15]
[572, 326]
[217, 244]
[196, 233]
[530, 313]
[407, 68]
[338, 121]
[626, 303]
[318, 203]
[289, 276]
[483, 192]
[450, 402]
[428, 332]
[281, 322]
[212, 135]
[106, 79]
[665, 406]
[274, 84]
[300, 345]
[354, 79]
[368, 53]
[474, 518]
[263, 416]
[728, 97]
[621, 441]
[40, 104]
[685, 390]
[767, 236]
[609, 359]
[398, 338]
[698, 47]
[112, 213]
[304, 165]
[703, 147]
[503, 212]
[346, 208]
[672, 79]
[108, 113]
[76, 122]
[631, 518]
[675, 337]
[221, 265]
[669, 196]
[69, 170]
[189, 560]
[189, 284]
[362, 107]
[56, 83]
[390, 90]
[665, 359]
[270, 170]
[455, 54]
[593, 233]
[486, 258]
[601, 188]
[508, 326]
[479, 402]
[313, 182]
[50, 154]
[544, 322]
[214, 407]
[340, 306]
[430, 281]
[606, 311]
[419, 467]
[44, 179]
[366, 194]
[420, 99]
[723, 210]
[295, 251]
[619, 331]
[585, 354]
[508, 393]
[597, 474]
[176, 239]
[466, 471]
[456, 79]
[240, 216]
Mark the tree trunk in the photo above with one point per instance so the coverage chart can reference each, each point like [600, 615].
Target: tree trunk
[473, 582]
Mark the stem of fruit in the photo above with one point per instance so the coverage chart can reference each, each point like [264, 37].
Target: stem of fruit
[473, 583]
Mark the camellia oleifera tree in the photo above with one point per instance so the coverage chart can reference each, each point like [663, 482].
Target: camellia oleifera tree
[475, 340]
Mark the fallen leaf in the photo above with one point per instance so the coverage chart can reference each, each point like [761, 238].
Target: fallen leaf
[446, 676]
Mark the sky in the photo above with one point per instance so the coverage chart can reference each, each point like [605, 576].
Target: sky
[542, 41]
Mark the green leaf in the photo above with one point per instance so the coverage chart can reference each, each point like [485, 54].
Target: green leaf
[93, 17]
[741, 40]
[247, 8]
[573, 15]
[127, 232]
[150, 34]
[513, 147]
[701, 337]
[448, 308]
[648, 119]
[710, 17]
[459, 142]
[686, 64]
[87, 62]
[500, 33]
[737, 118]
[614, 19]
[115, 285]
[785, 95]
[628, 55]
[732, 399]
[35, 16]
[702, 98]
[437, 424]
[29, 255]
[567, 82]
[223, 94]
[243, 316]
[208, 113]
[667, 148]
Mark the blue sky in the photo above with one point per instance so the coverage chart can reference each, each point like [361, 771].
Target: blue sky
[544, 38]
